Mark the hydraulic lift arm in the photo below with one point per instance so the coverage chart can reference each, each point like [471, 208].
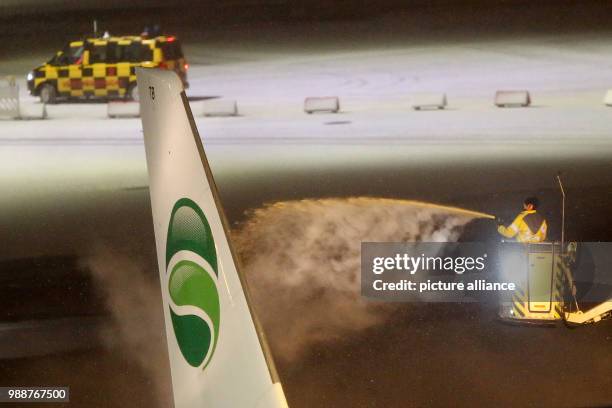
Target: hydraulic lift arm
[599, 312]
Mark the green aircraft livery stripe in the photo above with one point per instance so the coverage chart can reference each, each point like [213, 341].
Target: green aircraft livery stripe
[189, 230]
[191, 284]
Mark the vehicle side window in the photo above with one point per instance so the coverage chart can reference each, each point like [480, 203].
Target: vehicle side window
[146, 53]
[98, 54]
[76, 53]
[130, 52]
[113, 52]
[136, 52]
[69, 55]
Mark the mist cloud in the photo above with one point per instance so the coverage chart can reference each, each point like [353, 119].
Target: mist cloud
[134, 299]
[302, 262]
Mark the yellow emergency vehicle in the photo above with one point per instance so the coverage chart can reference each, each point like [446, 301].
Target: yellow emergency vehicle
[104, 67]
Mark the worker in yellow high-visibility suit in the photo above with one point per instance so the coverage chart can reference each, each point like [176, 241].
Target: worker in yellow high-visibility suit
[529, 226]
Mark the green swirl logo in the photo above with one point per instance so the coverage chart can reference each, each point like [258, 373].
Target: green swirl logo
[192, 285]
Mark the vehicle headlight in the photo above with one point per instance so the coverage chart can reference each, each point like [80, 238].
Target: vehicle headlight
[30, 76]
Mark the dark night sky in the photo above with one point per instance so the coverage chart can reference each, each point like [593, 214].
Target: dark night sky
[272, 21]
[578, 11]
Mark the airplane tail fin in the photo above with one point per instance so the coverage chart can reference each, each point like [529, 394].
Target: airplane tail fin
[218, 354]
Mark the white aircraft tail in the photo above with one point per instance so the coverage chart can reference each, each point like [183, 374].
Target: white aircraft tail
[218, 354]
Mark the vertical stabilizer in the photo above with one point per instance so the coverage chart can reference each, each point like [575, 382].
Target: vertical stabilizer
[218, 355]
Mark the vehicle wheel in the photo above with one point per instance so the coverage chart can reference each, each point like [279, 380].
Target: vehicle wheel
[132, 93]
[47, 94]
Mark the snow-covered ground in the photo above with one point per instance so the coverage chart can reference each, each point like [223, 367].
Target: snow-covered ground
[566, 76]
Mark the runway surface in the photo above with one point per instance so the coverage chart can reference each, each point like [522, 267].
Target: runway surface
[75, 186]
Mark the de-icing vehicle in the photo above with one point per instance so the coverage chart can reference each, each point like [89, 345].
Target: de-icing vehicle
[546, 292]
